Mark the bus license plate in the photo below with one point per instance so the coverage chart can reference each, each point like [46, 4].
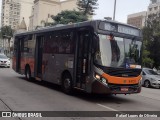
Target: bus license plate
[124, 89]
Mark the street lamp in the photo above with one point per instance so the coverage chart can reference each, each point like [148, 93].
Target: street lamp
[114, 9]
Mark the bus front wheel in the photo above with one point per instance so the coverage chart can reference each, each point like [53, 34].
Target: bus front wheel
[67, 83]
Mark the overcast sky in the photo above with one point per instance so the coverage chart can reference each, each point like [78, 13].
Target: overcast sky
[124, 7]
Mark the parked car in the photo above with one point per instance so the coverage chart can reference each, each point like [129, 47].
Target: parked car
[150, 78]
[4, 61]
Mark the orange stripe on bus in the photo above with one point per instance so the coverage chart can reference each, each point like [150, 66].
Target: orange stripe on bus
[29, 61]
[24, 61]
[121, 80]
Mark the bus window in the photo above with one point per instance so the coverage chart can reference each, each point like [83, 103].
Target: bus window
[110, 51]
[133, 51]
[25, 49]
[114, 48]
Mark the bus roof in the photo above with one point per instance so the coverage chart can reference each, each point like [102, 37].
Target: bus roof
[74, 25]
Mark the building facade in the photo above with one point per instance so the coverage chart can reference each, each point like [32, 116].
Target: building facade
[137, 19]
[10, 15]
[44, 9]
[154, 7]
[13, 11]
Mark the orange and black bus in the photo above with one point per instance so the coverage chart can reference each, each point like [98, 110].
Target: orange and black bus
[95, 56]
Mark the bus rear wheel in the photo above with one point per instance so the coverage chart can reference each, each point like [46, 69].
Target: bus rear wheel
[28, 73]
[67, 83]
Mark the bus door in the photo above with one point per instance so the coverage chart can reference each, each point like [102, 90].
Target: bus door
[82, 57]
[18, 54]
[39, 55]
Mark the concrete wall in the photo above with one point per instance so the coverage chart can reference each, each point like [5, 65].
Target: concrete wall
[43, 9]
[137, 19]
[46, 10]
[69, 5]
[26, 9]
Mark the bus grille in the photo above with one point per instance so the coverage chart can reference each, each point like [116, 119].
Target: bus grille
[120, 72]
[117, 88]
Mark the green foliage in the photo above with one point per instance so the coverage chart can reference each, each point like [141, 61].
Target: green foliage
[151, 45]
[87, 6]
[7, 32]
[146, 61]
[66, 17]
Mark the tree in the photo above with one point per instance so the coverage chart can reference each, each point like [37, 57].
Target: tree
[7, 33]
[147, 61]
[151, 34]
[66, 17]
[87, 6]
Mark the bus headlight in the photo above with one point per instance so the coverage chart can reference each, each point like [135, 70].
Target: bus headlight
[101, 79]
[97, 76]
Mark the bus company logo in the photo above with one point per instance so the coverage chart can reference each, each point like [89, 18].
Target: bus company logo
[124, 81]
[124, 75]
[6, 114]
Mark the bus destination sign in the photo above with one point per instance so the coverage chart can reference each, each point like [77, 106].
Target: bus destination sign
[119, 28]
[128, 30]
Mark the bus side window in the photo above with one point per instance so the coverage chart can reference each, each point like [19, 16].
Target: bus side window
[31, 44]
[25, 45]
[64, 42]
[22, 44]
[47, 44]
[15, 45]
[95, 43]
[84, 43]
[86, 46]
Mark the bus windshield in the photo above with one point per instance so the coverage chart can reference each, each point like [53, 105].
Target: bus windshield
[117, 52]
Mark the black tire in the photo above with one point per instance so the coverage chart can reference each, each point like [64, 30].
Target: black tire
[67, 83]
[147, 84]
[28, 74]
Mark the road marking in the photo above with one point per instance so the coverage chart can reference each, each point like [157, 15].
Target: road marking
[109, 108]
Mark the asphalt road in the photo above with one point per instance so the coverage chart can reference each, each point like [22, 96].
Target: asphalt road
[17, 94]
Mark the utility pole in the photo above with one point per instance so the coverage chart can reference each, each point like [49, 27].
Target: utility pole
[115, 1]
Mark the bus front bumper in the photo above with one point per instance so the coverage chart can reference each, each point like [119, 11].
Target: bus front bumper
[100, 88]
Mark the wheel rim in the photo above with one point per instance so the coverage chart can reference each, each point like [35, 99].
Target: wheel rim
[67, 83]
[147, 84]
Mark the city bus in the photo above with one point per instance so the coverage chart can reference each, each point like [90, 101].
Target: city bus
[96, 56]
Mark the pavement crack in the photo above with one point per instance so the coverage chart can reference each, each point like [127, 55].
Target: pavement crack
[6, 105]
[9, 108]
